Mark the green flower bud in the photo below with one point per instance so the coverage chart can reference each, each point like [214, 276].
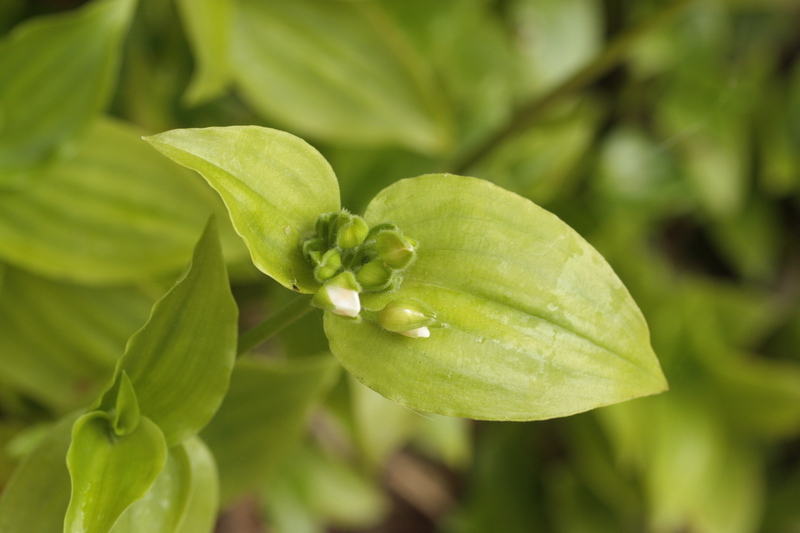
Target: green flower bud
[351, 231]
[339, 295]
[326, 226]
[376, 276]
[328, 266]
[407, 316]
[313, 250]
[395, 249]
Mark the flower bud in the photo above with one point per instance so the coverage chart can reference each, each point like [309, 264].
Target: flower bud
[406, 316]
[395, 249]
[418, 333]
[375, 276]
[339, 295]
[351, 231]
[313, 250]
[328, 266]
[326, 224]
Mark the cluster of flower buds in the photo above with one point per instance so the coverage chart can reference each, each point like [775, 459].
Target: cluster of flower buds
[350, 258]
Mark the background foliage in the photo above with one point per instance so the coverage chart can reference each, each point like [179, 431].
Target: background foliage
[667, 135]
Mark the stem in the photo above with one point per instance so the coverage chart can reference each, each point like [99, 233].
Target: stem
[287, 315]
[528, 114]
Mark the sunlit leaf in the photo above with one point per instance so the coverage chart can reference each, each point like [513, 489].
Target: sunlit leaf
[536, 324]
[180, 361]
[262, 418]
[56, 73]
[273, 183]
[109, 471]
[339, 71]
[116, 211]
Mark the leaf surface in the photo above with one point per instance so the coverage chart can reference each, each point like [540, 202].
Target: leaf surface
[340, 71]
[113, 212]
[274, 186]
[56, 73]
[536, 324]
[262, 417]
[180, 362]
[109, 472]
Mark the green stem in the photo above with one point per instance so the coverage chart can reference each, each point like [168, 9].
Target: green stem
[528, 114]
[296, 309]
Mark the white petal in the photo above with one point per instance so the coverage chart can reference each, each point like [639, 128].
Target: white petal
[345, 301]
[419, 333]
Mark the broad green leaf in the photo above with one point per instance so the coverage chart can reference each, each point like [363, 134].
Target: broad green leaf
[207, 24]
[536, 324]
[59, 342]
[56, 73]
[36, 497]
[180, 361]
[109, 472]
[274, 186]
[262, 418]
[338, 71]
[183, 497]
[114, 212]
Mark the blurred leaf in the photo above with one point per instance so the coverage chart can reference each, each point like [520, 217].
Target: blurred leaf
[114, 212]
[381, 426]
[109, 471]
[696, 475]
[469, 49]
[36, 497]
[556, 38]
[503, 490]
[208, 25]
[273, 183]
[313, 488]
[60, 342]
[338, 71]
[536, 324]
[181, 499]
[56, 73]
[754, 241]
[180, 361]
[445, 439]
[262, 418]
[635, 171]
[541, 164]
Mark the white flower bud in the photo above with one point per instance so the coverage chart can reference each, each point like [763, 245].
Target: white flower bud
[418, 333]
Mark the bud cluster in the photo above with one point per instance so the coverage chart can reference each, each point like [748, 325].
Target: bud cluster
[349, 258]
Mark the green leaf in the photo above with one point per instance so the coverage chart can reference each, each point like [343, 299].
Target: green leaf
[59, 342]
[56, 73]
[109, 472]
[207, 24]
[273, 183]
[262, 417]
[180, 362]
[183, 497]
[340, 71]
[36, 497]
[114, 212]
[536, 324]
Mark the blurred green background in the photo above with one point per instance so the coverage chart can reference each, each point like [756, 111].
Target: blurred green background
[667, 134]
